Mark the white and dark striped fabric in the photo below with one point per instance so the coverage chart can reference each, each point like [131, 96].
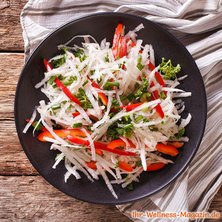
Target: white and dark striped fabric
[198, 24]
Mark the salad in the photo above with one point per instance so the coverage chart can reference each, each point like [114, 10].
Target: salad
[111, 111]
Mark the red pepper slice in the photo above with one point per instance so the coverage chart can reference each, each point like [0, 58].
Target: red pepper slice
[155, 166]
[75, 114]
[159, 110]
[47, 65]
[159, 78]
[101, 95]
[120, 152]
[125, 166]
[117, 35]
[176, 144]
[63, 133]
[167, 149]
[131, 106]
[151, 66]
[92, 165]
[122, 47]
[155, 93]
[67, 91]
[119, 143]
[99, 145]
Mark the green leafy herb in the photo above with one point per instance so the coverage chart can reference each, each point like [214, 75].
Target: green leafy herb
[130, 187]
[180, 133]
[138, 118]
[80, 54]
[37, 125]
[58, 62]
[126, 129]
[141, 89]
[131, 96]
[51, 80]
[107, 58]
[77, 125]
[108, 85]
[162, 95]
[81, 95]
[168, 70]
[55, 107]
[68, 81]
[85, 82]
[139, 163]
[140, 66]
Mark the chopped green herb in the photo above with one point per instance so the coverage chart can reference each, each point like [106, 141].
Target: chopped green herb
[115, 104]
[168, 70]
[37, 125]
[114, 131]
[58, 62]
[55, 107]
[80, 54]
[130, 97]
[107, 58]
[85, 82]
[92, 71]
[81, 95]
[68, 81]
[77, 125]
[141, 89]
[108, 85]
[130, 187]
[162, 95]
[138, 163]
[180, 133]
[138, 118]
[140, 66]
[51, 80]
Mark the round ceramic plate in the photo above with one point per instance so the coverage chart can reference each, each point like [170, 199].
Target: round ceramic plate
[102, 26]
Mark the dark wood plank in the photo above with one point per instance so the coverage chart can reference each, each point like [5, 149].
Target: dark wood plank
[30, 198]
[10, 28]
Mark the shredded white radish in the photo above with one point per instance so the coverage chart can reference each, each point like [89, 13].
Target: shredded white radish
[108, 110]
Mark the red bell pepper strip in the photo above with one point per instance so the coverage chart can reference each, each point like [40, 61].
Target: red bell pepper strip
[157, 74]
[155, 93]
[119, 143]
[120, 152]
[151, 66]
[116, 39]
[101, 95]
[122, 47]
[47, 65]
[92, 165]
[167, 149]
[131, 106]
[75, 114]
[155, 166]
[63, 133]
[99, 145]
[159, 110]
[159, 78]
[103, 98]
[67, 91]
[176, 144]
[125, 166]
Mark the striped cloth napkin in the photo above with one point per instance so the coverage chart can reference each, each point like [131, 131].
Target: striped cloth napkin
[198, 24]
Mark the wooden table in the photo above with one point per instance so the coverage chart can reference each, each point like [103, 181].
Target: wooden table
[24, 195]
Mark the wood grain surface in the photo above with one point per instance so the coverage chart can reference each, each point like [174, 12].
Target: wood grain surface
[24, 195]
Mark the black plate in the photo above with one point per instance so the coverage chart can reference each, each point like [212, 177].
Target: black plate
[102, 26]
